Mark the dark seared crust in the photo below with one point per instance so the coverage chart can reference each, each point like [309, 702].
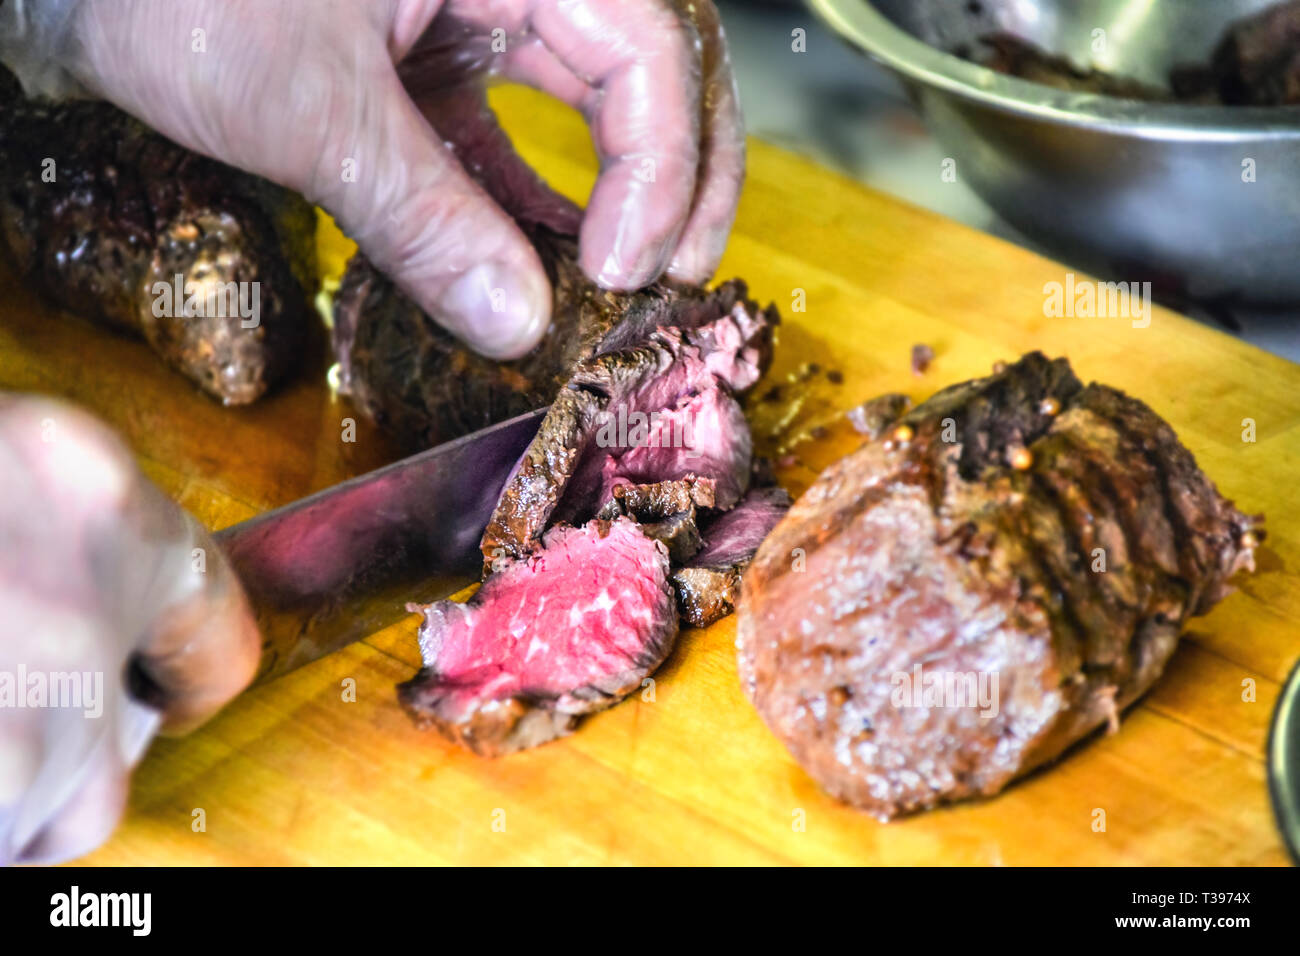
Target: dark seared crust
[705, 595]
[534, 489]
[498, 728]
[679, 533]
[420, 383]
[944, 553]
[1258, 62]
[662, 498]
[709, 587]
[128, 209]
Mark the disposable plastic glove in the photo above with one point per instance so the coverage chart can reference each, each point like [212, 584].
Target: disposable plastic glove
[100, 583]
[307, 94]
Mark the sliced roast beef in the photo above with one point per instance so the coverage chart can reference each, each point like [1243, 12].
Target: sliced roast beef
[111, 221]
[569, 630]
[660, 411]
[708, 586]
[958, 612]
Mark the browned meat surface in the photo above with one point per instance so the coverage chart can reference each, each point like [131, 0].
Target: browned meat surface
[421, 384]
[934, 618]
[102, 215]
[1258, 63]
[709, 584]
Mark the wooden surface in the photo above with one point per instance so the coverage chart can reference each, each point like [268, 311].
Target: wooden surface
[292, 773]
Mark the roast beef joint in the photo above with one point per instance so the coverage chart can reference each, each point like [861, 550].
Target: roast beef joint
[980, 586]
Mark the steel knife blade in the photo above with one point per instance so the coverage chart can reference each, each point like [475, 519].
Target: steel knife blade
[341, 564]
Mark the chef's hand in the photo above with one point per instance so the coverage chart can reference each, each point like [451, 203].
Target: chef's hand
[307, 94]
[104, 582]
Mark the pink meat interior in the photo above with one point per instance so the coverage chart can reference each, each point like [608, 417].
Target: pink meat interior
[578, 613]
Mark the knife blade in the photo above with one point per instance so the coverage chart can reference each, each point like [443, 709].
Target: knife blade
[341, 564]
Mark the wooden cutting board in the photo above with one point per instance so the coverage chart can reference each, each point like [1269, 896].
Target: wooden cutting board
[292, 773]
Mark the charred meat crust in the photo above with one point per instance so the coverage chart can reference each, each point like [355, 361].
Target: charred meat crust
[127, 209]
[1059, 544]
[424, 386]
[709, 584]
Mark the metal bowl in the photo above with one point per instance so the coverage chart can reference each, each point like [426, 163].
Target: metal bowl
[1133, 190]
[1284, 763]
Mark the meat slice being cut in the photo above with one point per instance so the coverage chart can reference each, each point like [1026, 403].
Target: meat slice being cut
[968, 609]
[569, 630]
[213, 267]
[660, 411]
[708, 587]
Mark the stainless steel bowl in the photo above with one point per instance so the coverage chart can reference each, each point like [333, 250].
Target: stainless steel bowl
[1129, 189]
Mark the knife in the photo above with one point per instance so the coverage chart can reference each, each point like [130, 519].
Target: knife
[335, 567]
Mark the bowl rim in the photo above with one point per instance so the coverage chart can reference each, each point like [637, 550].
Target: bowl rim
[871, 32]
[1284, 762]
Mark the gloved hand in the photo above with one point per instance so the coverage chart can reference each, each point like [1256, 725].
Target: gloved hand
[307, 94]
[99, 584]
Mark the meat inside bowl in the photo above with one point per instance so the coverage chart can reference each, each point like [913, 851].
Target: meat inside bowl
[1200, 200]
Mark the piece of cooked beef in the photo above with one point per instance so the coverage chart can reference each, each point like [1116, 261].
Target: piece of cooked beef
[660, 411]
[661, 499]
[103, 215]
[708, 586]
[679, 533]
[1257, 63]
[934, 618]
[571, 629]
[1017, 57]
[424, 386]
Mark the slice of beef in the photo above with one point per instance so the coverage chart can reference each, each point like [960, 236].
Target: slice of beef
[661, 499]
[661, 411]
[708, 588]
[567, 631]
[103, 215]
[1258, 62]
[966, 610]
[680, 535]
[420, 383]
